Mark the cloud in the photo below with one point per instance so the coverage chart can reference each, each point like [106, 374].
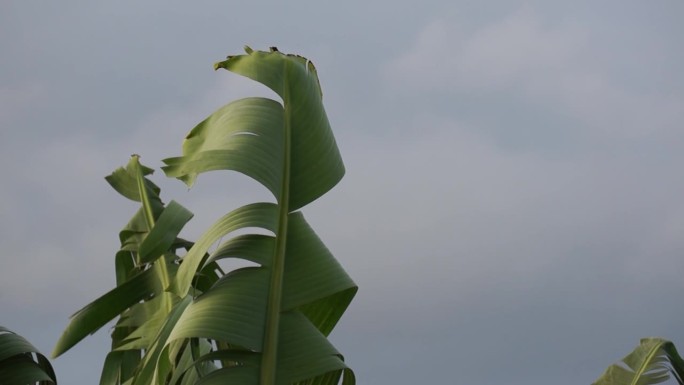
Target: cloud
[526, 57]
[450, 212]
[496, 55]
[470, 250]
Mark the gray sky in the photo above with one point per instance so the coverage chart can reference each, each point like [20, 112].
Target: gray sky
[513, 207]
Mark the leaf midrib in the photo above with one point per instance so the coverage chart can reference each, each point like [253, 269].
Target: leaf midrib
[644, 366]
[270, 347]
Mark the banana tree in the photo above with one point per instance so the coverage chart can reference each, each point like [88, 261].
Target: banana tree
[652, 362]
[269, 322]
[184, 321]
[21, 363]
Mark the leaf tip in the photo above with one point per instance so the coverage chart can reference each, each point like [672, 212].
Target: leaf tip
[58, 349]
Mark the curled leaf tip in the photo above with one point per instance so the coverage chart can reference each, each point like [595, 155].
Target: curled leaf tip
[248, 49]
[217, 65]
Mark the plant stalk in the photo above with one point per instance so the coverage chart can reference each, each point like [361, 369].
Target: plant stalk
[270, 348]
[160, 264]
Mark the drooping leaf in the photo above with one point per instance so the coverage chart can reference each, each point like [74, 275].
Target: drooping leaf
[288, 147]
[21, 363]
[104, 309]
[250, 129]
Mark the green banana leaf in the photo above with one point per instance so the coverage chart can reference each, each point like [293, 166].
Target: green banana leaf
[652, 362]
[21, 363]
[145, 266]
[282, 310]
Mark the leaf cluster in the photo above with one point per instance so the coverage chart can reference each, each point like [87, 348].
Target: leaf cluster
[180, 319]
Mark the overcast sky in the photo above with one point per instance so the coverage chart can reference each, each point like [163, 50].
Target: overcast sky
[513, 209]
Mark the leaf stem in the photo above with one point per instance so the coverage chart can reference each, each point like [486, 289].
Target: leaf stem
[160, 263]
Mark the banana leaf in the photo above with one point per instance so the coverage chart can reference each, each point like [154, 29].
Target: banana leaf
[145, 265]
[21, 363]
[652, 362]
[283, 309]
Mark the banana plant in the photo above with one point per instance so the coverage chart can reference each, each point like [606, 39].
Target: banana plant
[21, 363]
[652, 362]
[145, 266]
[269, 322]
[183, 320]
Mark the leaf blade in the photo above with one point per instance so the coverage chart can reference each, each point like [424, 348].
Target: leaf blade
[648, 364]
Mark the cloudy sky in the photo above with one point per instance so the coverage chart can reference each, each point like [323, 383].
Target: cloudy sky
[513, 209]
